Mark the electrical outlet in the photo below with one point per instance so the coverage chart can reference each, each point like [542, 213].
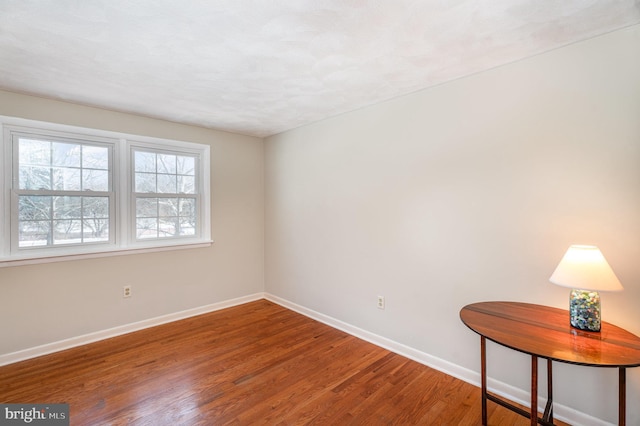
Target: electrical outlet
[126, 291]
[380, 302]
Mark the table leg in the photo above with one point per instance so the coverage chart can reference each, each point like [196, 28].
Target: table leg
[548, 412]
[622, 396]
[483, 375]
[534, 390]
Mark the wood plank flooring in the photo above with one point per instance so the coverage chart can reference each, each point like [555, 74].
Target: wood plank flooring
[254, 364]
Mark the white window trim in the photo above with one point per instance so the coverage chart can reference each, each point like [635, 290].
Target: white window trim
[9, 132]
[124, 240]
[133, 145]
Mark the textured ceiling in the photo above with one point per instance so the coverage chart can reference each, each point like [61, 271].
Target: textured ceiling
[260, 67]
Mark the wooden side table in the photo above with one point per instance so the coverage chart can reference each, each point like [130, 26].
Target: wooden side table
[545, 332]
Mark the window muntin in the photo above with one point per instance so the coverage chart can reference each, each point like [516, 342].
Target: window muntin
[63, 193]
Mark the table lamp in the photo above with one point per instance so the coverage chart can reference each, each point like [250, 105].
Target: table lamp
[585, 270]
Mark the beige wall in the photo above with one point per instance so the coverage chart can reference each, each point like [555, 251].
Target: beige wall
[45, 303]
[465, 192]
[468, 191]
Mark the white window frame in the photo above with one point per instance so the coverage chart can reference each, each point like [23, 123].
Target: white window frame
[122, 232]
[15, 133]
[175, 150]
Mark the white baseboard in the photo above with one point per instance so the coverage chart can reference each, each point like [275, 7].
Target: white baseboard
[123, 329]
[561, 412]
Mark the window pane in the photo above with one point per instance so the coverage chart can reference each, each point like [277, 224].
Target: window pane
[187, 207]
[34, 152]
[95, 207]
[65, 179]
[95, 180]
[67, 232]
[34, 177]
[167, 184]
[187, 226]
[95, 230]
[186, 185]
[67, 207]
[186, 165]
[168, 207]
[95, 157]
[145, 162]
[146, 228]
[34, 207]
[167, 164]
[167, 226]
[34, 233]
[146, 207]
[65, 154]
[145, 182]
[187, 216]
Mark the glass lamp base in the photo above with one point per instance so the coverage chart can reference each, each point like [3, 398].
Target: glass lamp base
[584, 310]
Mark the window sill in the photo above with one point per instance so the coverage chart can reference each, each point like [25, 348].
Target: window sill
[62, 257]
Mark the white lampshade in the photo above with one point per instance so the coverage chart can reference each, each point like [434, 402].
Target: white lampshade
[584, 267]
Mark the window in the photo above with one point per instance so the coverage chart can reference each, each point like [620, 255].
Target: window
[165, 193]
[71, 191]
[64, 191]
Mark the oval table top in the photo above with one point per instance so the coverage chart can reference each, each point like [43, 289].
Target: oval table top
[546, 332]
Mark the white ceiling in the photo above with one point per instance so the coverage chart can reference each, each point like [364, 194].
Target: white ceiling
[260, 67]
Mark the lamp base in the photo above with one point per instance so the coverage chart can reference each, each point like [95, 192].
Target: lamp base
[584, 310]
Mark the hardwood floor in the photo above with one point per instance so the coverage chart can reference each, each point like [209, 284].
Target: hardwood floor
[257, 363]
